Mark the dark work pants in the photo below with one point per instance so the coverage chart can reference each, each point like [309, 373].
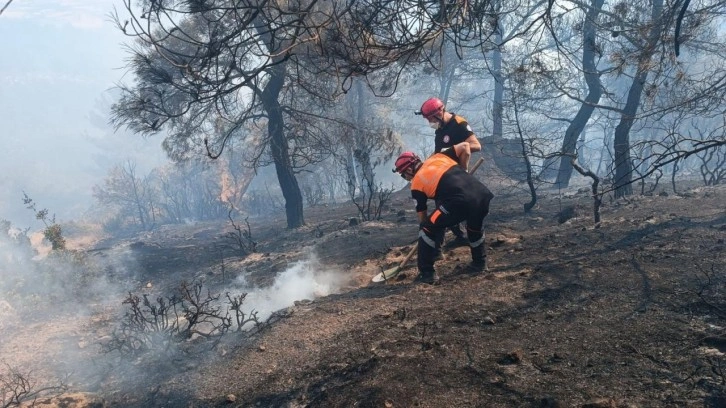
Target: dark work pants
[456, 229]
[448, 213]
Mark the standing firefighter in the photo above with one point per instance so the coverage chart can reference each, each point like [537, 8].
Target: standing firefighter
[451, 129]
[459, 197]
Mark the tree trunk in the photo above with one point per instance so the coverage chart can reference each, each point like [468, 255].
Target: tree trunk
[594, 87]
[130, 171]
[364, 159]
[279, 148]
[139, 204]
[581, 149]
[498, 103]
[449, 62]
[350, 172]
[621, 142]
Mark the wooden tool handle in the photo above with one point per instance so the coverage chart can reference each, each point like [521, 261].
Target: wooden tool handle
[408, 256]
[476, 165]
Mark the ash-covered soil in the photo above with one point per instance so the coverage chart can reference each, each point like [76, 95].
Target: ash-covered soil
[627, 313]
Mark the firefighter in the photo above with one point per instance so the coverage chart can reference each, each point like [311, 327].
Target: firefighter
[450, 129]
[459, 196]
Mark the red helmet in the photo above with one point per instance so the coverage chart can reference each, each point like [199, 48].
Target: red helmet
[406, 160]
[431, 107]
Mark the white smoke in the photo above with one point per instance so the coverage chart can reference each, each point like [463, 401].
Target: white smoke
[43, 307]
[307, 279]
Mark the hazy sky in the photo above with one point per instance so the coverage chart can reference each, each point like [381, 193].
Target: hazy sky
[58, 60]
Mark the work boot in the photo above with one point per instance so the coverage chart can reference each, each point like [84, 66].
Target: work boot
[475, 268]
[457, 242]
[429, 278]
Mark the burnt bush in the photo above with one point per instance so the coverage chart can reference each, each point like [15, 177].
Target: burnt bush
[18, 388]
[241, 238]
[190, 313]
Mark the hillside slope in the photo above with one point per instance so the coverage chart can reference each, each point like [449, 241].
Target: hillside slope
[626, 314]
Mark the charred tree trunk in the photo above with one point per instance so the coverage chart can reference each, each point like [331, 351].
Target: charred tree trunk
[596, 195]
[364, 159]
[592, 78]
[498, 103]
[621, 142]
[139, 205]
[279, 148]
[525, 155]
[351, 181]
[137, 193]
[530, 179]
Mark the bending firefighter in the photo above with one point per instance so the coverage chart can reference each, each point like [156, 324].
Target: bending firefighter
[459, 197]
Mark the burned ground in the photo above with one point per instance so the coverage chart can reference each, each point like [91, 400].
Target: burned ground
[629, 313]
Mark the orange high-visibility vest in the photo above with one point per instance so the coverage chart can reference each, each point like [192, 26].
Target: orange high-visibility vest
[428, 176]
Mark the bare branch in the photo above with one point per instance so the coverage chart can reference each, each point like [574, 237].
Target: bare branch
[5, 6]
